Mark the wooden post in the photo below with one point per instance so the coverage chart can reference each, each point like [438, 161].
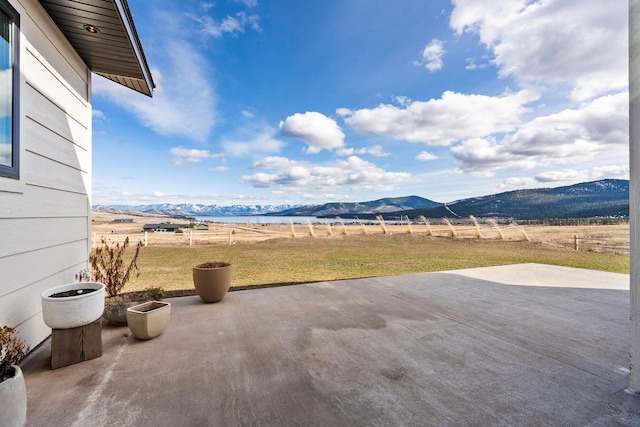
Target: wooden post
[75, 345]
[190, 238]
[146, 238]
[229, 236]
[575, 242]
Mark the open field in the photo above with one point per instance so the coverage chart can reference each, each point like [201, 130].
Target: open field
[594, 238]
[271, 255]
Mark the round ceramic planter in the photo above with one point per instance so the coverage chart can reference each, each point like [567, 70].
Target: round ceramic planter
[73, 311]
[13, 400]
[212, 283]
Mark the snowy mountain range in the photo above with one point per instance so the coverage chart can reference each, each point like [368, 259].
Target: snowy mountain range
[191, 210]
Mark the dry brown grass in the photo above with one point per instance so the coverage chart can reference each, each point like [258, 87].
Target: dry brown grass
[266, 255]
[594, 238]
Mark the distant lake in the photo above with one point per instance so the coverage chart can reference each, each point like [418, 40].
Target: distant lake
[259, 219]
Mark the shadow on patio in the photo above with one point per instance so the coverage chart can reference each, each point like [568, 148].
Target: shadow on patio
[515, 345]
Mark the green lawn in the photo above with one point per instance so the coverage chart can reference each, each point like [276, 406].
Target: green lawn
[302, 260]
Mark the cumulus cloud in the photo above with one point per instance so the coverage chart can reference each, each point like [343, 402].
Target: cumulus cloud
[259, 143]
[353, 172]
[583, 44]
[315, 129]
[183, 155]
[571, 135]
[425, 156]
[431, 56]
[179, 107]
[275, 162]
[453, 117]
[374, 150]
[98, 115]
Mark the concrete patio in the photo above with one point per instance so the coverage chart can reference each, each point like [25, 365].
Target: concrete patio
[522, 345]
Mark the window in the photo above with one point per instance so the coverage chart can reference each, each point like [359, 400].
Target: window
[9, 91]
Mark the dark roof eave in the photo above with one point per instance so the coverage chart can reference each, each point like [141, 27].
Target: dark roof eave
[119, 42]
[129, 26]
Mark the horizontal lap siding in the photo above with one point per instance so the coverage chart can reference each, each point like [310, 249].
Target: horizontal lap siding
[45, 225]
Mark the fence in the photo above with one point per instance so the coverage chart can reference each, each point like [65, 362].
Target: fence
[197, 236]
[594, 238]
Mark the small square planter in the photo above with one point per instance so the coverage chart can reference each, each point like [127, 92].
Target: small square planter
[148, 320]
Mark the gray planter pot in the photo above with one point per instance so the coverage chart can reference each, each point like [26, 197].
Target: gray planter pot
[13, 400]
[116, 312]
[212, 283]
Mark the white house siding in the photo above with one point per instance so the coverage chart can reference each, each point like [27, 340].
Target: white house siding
[45, 217]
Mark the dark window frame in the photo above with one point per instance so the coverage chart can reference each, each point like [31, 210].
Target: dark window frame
[14, 170]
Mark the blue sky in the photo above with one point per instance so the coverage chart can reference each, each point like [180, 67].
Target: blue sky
[308, 102]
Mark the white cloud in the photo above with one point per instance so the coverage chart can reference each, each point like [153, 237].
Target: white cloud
[431, 56]
[254, 144]
[425, 156]
[98, 115]
[275, 162]
[343, 112]
[374, 150]
[182, 107]
[583, 44]
[572, 135]
[575, 176]
[248, 3]
[232, 25]
[451, 118]
[403, 101]
[318, 131]
[517, 182]
[353, 172]
[190, 155]
[248, 114]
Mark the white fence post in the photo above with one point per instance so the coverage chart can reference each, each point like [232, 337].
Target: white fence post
[146, 238]
[190, 238]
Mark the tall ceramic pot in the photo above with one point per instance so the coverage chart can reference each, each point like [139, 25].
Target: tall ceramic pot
[13, 400]
[212, 280]
[82, 304]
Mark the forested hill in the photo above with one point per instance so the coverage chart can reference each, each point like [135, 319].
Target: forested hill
[375, 207]
[597, 199]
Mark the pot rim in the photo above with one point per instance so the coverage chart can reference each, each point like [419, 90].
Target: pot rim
[46, 295]
[223, 264]
[155, 304]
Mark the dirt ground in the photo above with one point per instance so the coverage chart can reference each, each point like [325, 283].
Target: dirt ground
[596, 238]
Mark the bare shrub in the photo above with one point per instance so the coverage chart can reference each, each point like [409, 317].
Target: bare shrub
[110, 268]
[12, 351]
